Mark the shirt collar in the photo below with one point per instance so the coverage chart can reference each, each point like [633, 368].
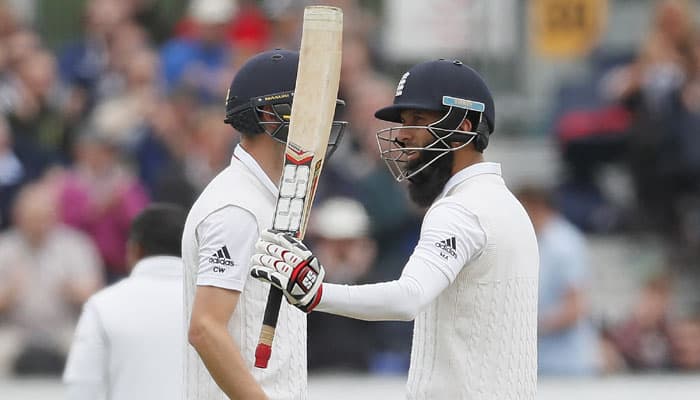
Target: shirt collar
[470, 172]
[252, 164]
[158, 266]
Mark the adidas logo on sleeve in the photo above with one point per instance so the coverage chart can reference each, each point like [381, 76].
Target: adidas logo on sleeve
[223, 258]
[449, 246]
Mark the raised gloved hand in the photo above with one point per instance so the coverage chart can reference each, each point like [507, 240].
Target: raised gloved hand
[285, 262]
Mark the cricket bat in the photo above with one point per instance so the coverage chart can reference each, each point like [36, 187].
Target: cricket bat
[313, 107]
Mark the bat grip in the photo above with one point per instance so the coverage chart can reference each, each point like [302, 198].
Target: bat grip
[267, 333]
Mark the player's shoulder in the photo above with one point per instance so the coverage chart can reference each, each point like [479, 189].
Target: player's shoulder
[449, 210]
[233, 174]
[112, 295]
[472, 201]
[229, 185]
[238, 180]
[229, 197]
[450, 202]
[483, 194]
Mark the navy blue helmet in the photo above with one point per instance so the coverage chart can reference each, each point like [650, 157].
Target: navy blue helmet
[439, 86]
[268, 79]
[454, 90]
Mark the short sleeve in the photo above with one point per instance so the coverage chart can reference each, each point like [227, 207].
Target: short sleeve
[451, 236]
[226, 240]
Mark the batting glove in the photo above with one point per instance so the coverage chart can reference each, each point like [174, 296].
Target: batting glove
[285, 262]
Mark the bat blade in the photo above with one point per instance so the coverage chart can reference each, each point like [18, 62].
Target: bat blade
[312, 115]
[313, 108]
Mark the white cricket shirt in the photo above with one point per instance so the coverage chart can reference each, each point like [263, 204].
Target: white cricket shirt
[471, 285]
[218, 241]
[127, 344]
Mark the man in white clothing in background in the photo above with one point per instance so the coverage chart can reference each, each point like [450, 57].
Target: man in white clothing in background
[127, 345]
[471, 282]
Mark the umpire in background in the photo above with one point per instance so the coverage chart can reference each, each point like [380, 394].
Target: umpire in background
[128, 342]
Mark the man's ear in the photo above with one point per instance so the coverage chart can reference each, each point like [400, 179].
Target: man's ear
[466, 125]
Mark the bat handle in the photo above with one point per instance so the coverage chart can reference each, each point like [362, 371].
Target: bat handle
[267, 333]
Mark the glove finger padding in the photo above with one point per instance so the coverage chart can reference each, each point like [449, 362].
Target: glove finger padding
[272, 263]
[279, 252]
[266, 274]
[286, 241]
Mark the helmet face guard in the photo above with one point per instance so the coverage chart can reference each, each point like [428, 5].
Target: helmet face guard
[448, 87]
[444, 131]
[279, 106]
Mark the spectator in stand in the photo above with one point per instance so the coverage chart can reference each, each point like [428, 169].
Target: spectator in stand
[20, 43]
[153, 16]
[248, 32]
[685, 344]
[83, 63]
[121, 116]
[202, 63]
[32, 108]
[162, 150]
[211, 146]
[180, 153]
[101, 197]
[656, 336]
[339, 232]
[13, 173]
[127, 41]
[567, 340]
[643, 338]
[47, 271]
[40, 134]
[663, 151]
[8, 21]
[286, 19]
[663, 62]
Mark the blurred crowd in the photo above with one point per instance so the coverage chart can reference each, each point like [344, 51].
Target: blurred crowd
[94, 130]
[132, 112]
[572, 339]
[629, 136]
[637, 113]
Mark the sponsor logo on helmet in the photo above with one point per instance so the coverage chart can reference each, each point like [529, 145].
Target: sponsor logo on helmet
[463, 103]
[277, 96]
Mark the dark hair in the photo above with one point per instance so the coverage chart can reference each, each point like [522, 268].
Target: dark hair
[158, 229]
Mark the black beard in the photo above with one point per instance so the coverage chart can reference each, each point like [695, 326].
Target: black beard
[426, 185]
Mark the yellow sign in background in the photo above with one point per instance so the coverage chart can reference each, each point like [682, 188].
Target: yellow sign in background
[566, 28]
